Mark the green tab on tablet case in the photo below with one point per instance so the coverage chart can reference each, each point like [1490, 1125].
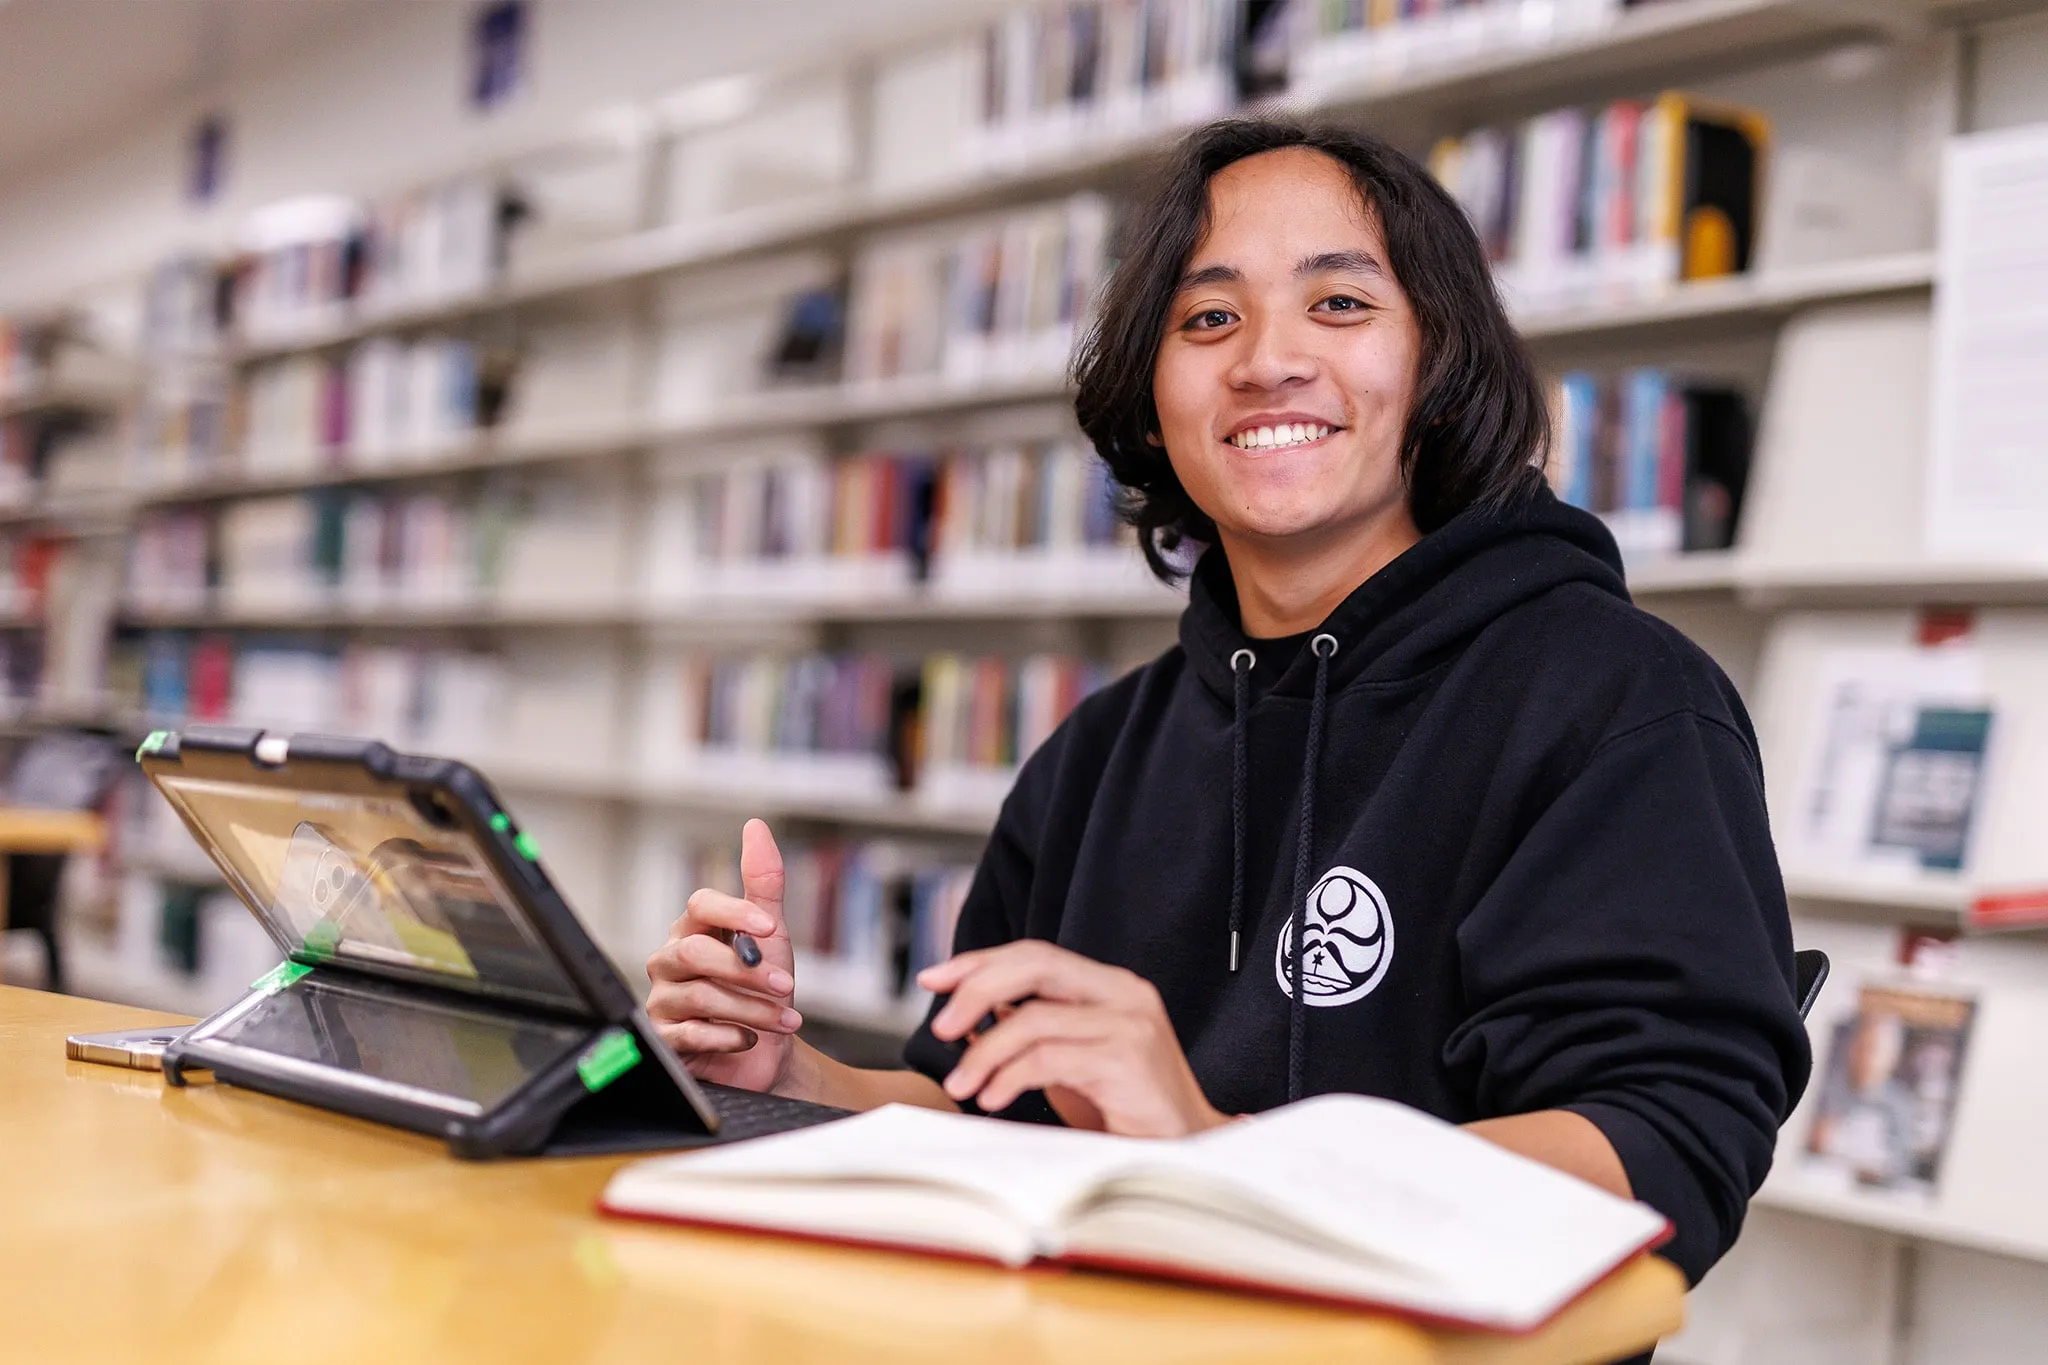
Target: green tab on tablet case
[280, 976]
[153, 742]
[610, 1057]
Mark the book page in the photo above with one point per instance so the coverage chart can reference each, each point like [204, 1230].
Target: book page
[1401, 1187]
[1029, 1171]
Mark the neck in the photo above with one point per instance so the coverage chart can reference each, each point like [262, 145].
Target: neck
[1290, 584]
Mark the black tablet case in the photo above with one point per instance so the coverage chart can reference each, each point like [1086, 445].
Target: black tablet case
[585, 1104]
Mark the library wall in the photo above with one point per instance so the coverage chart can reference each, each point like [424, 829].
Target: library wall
[385, 106]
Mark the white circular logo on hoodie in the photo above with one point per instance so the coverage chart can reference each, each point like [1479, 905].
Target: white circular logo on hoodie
[1348, 936]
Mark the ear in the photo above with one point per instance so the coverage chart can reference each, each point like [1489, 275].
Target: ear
[1152, 438]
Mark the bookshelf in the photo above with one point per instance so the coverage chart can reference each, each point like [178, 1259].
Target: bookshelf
[1634, 48]
[1905, 1220]
[1746, 328]
[1753, 302]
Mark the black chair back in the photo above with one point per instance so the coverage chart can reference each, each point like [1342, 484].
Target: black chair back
[1809, 970]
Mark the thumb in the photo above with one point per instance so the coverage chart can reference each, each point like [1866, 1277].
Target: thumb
[761, 869]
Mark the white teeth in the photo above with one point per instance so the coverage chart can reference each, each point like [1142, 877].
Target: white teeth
[1286, 434]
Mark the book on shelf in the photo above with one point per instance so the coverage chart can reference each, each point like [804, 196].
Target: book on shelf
[813, 336]
[305, 263]
[1341, 1198]
[546, 543]
[1358, 46]
[1664, 461]
[1056, 78]
[1898, 744]
[854, 727]
[865, 916]
[1002, 296]
[1578, 207]
[981, 717]
[1888, 1097]
[786, 521]
[432, 700]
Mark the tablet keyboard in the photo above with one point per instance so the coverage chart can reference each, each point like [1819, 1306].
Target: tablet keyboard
[749, 1113]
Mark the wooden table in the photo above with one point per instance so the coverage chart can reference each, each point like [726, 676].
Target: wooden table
[139, 1222]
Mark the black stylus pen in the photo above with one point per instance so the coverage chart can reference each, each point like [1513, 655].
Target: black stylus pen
[748, 950]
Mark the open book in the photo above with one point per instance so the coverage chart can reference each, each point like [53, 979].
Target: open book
[1339, 1197]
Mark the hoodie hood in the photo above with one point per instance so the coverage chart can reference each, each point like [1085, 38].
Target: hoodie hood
[1430, 601]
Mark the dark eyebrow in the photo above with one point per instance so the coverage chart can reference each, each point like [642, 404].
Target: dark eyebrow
[1340, 263]
[1322, 263]
[1211, 274]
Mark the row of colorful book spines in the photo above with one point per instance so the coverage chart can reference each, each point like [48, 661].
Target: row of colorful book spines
[965, 286]
[329, 403]
[810, 704]
[1354, 16]
[995, 286]
[352, 261]
[990, 713]
[843, 897]
[393, 538]
[1621, 164]
[215, 679]
[1624, 447]
[890, 502]
[1044, 57]
[998, 710]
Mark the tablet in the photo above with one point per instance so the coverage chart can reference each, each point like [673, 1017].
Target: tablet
[433, 976]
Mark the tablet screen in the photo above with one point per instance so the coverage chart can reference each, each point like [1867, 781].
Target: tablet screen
[411, 1049]
[367, 879]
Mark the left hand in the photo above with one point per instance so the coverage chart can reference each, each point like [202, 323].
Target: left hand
[1094, 1037]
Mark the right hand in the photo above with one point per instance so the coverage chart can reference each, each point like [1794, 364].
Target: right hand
[731, 1024]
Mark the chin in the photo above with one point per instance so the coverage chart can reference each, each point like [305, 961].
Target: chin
[1281, 522]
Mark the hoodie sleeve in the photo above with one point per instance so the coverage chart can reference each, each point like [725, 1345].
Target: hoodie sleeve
[1633, 963]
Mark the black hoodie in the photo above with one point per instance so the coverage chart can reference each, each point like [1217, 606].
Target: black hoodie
[1537, 872]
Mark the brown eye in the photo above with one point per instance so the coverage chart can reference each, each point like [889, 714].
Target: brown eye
[1209, 319]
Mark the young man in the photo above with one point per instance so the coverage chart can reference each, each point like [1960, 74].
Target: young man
[1421, 806]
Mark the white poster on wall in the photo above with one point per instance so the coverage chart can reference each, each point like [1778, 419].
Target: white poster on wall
[1987, 493]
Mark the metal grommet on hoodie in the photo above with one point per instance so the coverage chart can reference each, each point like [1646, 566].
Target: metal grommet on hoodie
[1316, 646]
[1251, 661]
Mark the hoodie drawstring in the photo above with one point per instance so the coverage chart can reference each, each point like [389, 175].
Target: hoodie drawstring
[1240, 686]
[1324, 647]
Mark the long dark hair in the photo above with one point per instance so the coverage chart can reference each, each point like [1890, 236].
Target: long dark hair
[1478, 428]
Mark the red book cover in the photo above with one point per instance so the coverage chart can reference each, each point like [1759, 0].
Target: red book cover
[1672, 456]
[211, 687]
[1149, 1269]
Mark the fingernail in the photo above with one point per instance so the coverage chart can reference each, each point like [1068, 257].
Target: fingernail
[761, 924]
[956, 1087]
[780, 981]
[791, 1019]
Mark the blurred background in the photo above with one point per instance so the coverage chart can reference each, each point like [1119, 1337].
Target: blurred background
[660, 403]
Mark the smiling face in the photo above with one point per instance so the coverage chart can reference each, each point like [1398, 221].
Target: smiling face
[1284, 380]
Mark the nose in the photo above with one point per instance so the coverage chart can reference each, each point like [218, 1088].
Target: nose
[1273, 355]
